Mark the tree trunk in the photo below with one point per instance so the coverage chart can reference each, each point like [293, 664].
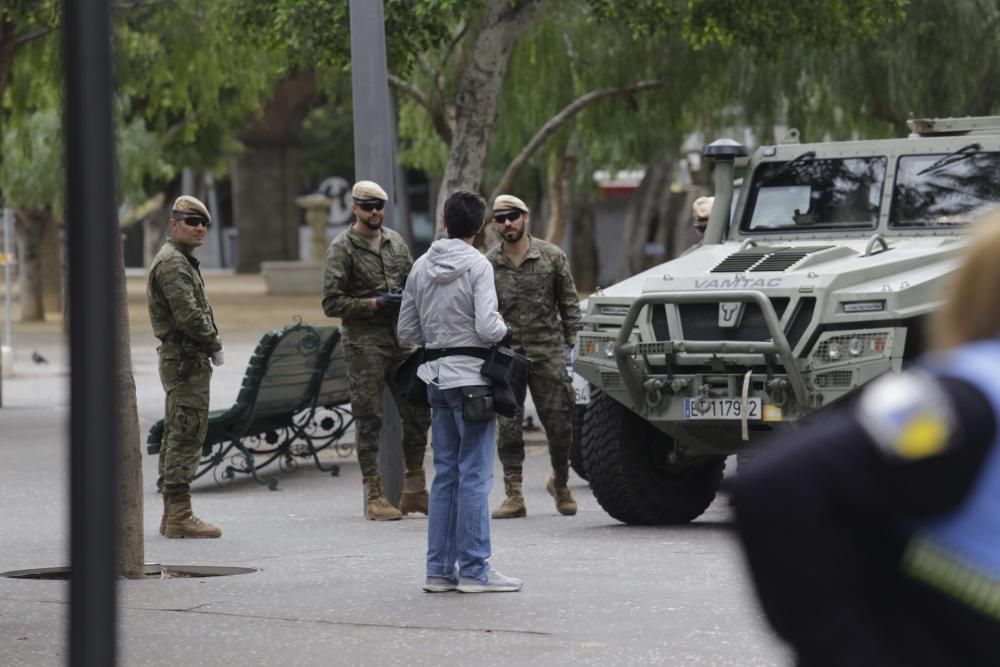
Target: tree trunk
[647, 212]
[30, 225]
[584, 257]
[559, 180]
[478, 94]
[132, 555]
[50, 253]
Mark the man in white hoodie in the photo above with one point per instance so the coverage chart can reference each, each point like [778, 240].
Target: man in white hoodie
[450, 307]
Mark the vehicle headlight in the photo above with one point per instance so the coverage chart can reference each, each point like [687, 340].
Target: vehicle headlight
[609, 349]
[855, 347]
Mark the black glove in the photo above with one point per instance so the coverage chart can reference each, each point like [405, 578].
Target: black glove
[392, 298]
[507, 336]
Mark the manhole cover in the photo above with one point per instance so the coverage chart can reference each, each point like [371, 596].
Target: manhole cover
[153, 571]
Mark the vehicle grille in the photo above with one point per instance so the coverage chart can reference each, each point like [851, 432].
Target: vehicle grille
[834, 379]
[765, 259]
[701, 321]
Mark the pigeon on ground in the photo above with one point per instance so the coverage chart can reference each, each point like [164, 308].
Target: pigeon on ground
[37, 358]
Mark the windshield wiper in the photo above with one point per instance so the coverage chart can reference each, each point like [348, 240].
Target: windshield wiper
[963, 153]
[785, 168]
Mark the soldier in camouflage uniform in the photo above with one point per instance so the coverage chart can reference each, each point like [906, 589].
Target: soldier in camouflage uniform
[366, 267]
[538, 300]
[190, 344]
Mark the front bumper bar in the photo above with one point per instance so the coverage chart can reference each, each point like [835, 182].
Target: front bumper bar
[625, 350]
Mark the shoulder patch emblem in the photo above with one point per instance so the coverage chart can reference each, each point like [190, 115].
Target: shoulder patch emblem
[908, 416]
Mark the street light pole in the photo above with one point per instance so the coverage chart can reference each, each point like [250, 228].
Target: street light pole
[375, 160]
[94, 438]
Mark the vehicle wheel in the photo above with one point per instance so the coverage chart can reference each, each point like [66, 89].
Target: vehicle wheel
[576, 447]
[626, 461]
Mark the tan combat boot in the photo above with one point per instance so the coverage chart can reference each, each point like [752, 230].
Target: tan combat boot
[414, 497]
[378, 508]
[565, 503]
[513, 504]
[181, 521]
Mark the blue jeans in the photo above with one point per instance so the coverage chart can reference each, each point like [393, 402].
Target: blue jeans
[458, 524]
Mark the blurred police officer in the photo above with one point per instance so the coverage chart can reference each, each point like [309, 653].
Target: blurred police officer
[538, 300]
[366, 268]
[190, 345]
[874, 534]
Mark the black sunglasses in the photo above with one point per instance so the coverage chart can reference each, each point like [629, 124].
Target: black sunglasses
[369, 206]
[501, 218]
[194, 222]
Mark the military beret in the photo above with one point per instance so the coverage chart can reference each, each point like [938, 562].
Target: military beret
[504, 202]
[364, 190]
[187, 206]
[702, 207]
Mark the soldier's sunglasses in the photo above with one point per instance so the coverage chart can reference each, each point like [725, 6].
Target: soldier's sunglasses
[369, 206]
[502, 218]
[194, 222]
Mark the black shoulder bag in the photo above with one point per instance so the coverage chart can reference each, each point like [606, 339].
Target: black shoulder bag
[508, 369]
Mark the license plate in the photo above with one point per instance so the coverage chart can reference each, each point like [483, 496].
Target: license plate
[721, 408]
[581, 388]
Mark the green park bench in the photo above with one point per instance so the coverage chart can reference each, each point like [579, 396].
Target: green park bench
[293, 403]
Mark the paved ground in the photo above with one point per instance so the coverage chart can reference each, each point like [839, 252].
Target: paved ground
[335, 589]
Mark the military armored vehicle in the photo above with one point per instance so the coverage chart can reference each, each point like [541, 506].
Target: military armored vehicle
[819, 281]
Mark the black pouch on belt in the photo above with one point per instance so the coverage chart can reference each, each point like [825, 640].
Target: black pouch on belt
[477, 404]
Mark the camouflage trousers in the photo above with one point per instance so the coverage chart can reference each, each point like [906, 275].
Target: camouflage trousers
[370, 369]
[186, 382]
[552, 392]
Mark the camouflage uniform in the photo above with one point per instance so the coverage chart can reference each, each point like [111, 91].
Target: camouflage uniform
[539, 301]
[183, 321]
[355, 274]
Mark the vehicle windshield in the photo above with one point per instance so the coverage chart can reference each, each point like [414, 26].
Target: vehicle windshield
[805, 195]
[942, 191]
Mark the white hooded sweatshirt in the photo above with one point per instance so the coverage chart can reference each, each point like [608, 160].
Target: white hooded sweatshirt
[450, 301]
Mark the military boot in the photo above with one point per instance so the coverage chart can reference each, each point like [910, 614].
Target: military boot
[565, 503]
[181, 521]
[414, 497]
[377, 507]
[513, 505]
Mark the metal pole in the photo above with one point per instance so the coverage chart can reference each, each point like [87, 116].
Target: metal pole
[375, 160]
[94, 438]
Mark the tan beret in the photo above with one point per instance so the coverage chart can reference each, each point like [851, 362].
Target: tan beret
[702, 207]
[364, 190]
[186, 205]
[505, 202]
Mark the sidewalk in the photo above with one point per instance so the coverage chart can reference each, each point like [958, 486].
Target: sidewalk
[333, 588]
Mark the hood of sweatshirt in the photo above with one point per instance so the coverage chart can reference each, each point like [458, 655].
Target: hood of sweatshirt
[450, 258]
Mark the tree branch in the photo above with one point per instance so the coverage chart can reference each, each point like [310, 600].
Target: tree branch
[31, 36]
[437, 113]
[559, 120]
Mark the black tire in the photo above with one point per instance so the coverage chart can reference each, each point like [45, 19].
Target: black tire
[626, 461]
[576, 447]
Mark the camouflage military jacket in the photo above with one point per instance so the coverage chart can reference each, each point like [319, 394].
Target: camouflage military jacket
[178, 307]
[538, 299]
[355, 274]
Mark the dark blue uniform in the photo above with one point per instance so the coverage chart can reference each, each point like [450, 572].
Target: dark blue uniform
[873, 534]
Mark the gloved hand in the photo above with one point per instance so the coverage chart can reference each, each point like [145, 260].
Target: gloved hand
[217, 358]
[391, 299]
[570, 356]
[507, 336]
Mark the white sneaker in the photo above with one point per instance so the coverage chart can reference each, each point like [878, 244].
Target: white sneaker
[489, 582]
[441, 584]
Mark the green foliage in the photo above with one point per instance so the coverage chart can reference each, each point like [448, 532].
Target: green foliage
[31, 174]
[316, 33]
